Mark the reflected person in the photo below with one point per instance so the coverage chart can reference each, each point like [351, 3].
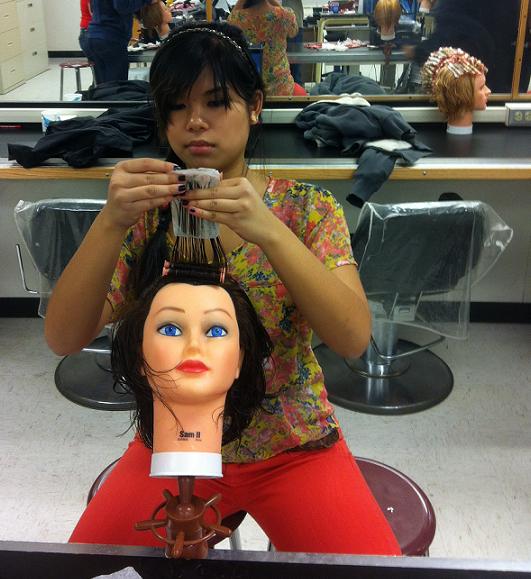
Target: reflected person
[486, 29]
[108, 35]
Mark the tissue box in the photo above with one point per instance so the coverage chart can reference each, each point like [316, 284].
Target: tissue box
[51, 115]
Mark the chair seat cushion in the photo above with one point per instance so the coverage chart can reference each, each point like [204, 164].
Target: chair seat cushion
[405, 505]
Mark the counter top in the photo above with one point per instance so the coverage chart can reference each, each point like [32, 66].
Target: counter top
[492, 152]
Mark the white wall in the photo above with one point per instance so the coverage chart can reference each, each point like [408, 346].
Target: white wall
[62, 24]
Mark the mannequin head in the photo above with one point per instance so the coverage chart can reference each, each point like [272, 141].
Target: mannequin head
[456, 81]
[387, 14]
[191, 343]
[192, 316]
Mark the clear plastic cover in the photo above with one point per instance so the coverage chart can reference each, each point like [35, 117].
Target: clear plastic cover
[418, 261]
[52, 230]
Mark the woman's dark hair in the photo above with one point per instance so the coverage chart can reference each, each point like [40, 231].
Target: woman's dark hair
[182, 57]
[251, 3]
[248, 390]
[190, 50]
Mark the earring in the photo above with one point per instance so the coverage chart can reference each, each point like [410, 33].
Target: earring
[254, 118]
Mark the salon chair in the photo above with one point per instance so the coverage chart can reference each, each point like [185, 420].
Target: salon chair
[404, 504]
[52, 230]
[417, 263]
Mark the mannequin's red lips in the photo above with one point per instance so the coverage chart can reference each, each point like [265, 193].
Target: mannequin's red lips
[192, 366]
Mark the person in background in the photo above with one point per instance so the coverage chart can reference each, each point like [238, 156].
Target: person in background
[108, 35]
[298, 9]
[86, 15]
[155, 19]
[266, 22]
[486, 29]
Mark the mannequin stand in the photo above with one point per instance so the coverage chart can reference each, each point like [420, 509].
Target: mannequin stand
[187, 533]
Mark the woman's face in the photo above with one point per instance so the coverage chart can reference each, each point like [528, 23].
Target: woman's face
[203, 133]
[481, 93]
[191, 335]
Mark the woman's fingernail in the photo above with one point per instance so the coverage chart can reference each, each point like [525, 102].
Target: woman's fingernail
[192, 210]
[184, 202]
[182, 177]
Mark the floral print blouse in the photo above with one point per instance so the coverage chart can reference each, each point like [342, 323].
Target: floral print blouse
[271, 29]
[297, 410]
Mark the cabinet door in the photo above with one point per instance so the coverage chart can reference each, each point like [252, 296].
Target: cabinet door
[9, 44]
[30, 11]
[35, 61]
[8, 16]
[11, 73]
[34, 34]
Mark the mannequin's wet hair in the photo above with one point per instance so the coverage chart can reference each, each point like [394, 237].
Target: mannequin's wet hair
[247, 392]
[187, 52]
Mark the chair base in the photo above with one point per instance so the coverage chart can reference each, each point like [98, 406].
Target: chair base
[231, 521]
[422, 383]
[85, 378]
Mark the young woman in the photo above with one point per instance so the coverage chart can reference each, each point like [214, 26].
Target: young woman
[267, 22]
[288, 245]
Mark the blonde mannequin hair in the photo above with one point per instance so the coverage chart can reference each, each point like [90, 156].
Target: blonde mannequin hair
[448, 75]
[387, 14]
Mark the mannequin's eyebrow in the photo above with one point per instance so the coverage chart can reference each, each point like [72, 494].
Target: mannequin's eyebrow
[181, 310]
[174, 308]
[217, 310]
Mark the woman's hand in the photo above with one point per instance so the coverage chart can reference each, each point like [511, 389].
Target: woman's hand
[138, 185]
[236, 204]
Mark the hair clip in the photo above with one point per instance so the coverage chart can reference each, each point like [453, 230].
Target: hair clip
[165, 268]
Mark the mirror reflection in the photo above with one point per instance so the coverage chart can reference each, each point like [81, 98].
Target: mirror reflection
[374, 47]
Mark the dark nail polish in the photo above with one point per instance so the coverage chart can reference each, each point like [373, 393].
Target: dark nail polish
[182, 177]
[185, 202]
[192, 210]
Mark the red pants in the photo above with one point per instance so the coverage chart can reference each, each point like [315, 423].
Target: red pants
[307, 501]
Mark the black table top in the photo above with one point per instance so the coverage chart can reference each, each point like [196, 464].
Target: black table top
[489, 141]
[285, 142]
[50, 561]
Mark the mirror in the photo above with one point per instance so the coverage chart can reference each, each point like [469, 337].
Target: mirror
[375, 69]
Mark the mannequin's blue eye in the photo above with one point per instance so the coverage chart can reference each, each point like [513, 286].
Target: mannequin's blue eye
[169, 330]
[216, 332]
